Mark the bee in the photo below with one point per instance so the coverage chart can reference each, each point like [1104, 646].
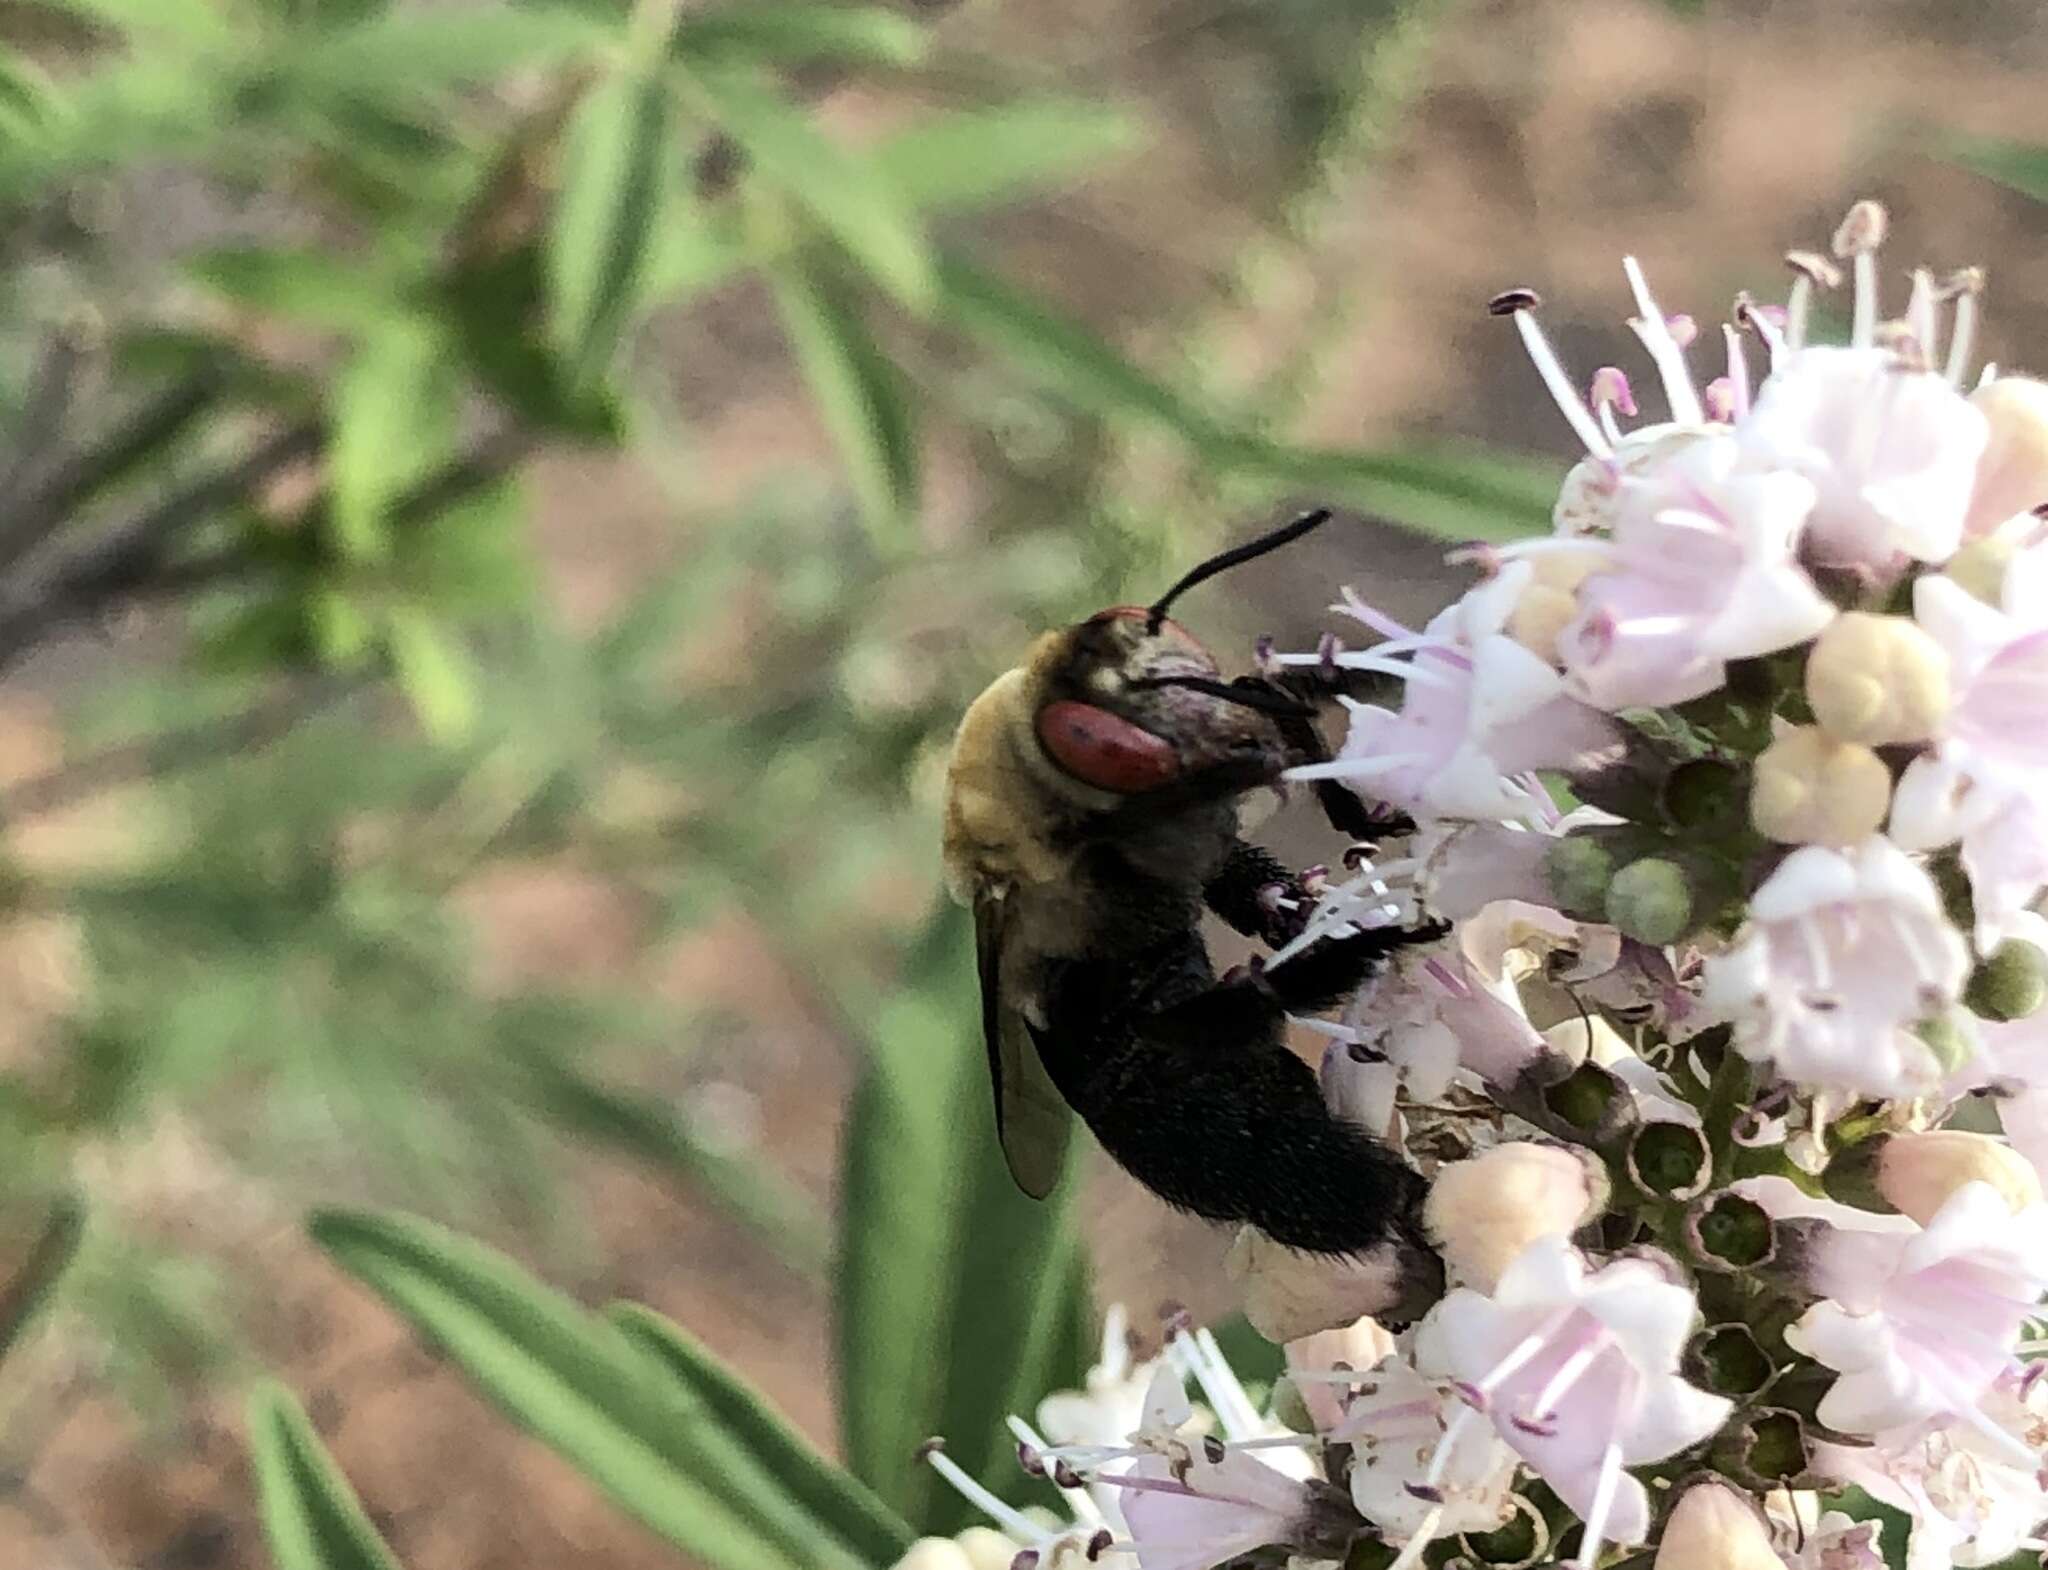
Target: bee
[1092, 814]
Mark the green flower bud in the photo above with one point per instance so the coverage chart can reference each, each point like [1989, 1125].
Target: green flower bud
[1578, 870]
[1948, 1038]
[2010, 984]
[1649, 900]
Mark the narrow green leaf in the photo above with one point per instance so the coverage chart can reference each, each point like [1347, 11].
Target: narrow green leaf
[835, 1496]
[409, 50]
[939, 1249]
[1073, 361]
[981, 155]
[433, 672]
[311, 1517]
[25, 1292]
[322, 288]
[394, 416]
[797, 33]
[2021, 165]
[842, 192]
[614, 178]
[858, 393]
[582, 1388]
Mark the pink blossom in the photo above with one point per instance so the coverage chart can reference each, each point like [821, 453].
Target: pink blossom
[1845, 953]
[1199, 1513]
[1891, 451]
[1405, 1477]
[1918, 1322]
[1479, 713]
[1578, 1373]
[1985, 781]
[1699, 570]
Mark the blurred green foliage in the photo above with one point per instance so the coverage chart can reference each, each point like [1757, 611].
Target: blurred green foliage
[430, 241]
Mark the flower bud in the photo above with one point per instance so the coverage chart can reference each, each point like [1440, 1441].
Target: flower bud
[1918, 1173]
[1712, 1527]
[1289, 1294]
[1811, 789]
[1650, 901]
[1578, 871]
[2012, 472]
[1485, 1211]
[1949, 1037]
[1979, 567]
[942, 1553]
[986, 1548]
[2010, 984]
[1550, 601]
[1880, 680]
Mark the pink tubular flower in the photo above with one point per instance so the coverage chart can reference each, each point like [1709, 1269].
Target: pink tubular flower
[1890, 449]
[1699, 571]
[1985, 782]
[1396, 1421]
[1578, 1373]
[1845, 953]
[1919, 1322]
[1199, 1513]
[1974, 1492]
[1479, 712]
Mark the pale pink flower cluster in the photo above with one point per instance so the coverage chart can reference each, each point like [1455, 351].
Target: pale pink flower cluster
[1731, 1081]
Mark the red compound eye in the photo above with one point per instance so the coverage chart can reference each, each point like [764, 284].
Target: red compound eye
[1100, 749]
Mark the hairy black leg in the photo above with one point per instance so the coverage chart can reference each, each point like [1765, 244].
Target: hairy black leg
[1346, 811]
[1246, 892]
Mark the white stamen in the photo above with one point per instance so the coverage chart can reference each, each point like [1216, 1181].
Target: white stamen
[1569, 1373]
[1353, 768]
[1863, 331]
[1797, 306]
[1020, 1526]
[1738, 371]
[1378, 620]
[1608, 423]
[1425, 1533]
[1920, 314]
[1655, 332]
[1603, 1506]
[1562, 392]
[1220, 1383]
[1963, 337]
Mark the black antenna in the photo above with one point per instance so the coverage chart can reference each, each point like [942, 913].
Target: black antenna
[1251, 550]
[1262, 699]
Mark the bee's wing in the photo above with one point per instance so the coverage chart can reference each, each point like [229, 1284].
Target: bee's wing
[1032, 1119]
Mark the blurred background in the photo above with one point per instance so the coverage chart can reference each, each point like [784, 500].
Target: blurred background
[502, 505]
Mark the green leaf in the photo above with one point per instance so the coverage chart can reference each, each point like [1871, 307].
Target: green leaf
[799, 34]
[614, 178]
[980, 155]
[858, 392]
[433, 672]
[492, 304]
[311, 1517]
[1447, 493]
[834, 1496]
[323, 288]
[581, 1387]
[25, 1292]
[844, 193]
[2021, 165]
[409, 50]
[939, 1250]
[394, 416]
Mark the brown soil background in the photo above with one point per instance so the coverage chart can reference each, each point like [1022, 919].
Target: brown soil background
[1547, 138]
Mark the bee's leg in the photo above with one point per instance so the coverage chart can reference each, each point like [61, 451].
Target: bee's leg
[1346, 811]
[1258, 896]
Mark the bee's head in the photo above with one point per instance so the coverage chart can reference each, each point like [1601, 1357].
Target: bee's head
[1132, 702]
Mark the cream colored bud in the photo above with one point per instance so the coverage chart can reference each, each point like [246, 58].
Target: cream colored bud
[1879, 680]
[1712, 1527]
[1918, 1173]
[1979, 567]
[1550, 600]
[1812, 789]
[1289, 1294]
[938, 1553]
[2012, 472]
[1485, 1211]
[986, 1548]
